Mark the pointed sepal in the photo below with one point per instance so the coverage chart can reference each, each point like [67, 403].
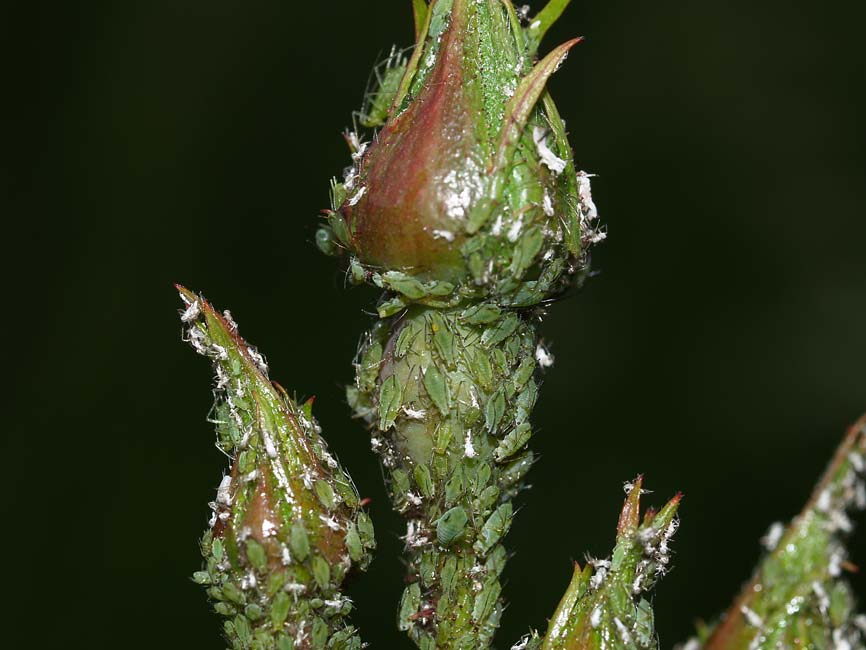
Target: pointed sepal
[543, 21]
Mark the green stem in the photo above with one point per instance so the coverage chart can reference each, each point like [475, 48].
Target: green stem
[448, 394]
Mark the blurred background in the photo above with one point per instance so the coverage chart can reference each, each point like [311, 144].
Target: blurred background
[720, 350]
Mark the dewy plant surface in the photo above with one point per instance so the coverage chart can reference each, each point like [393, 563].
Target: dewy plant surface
[465, 207]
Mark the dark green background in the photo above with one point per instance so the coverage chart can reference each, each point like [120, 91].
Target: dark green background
[721, 350]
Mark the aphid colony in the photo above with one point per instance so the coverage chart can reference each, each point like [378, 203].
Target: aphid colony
[286, 524]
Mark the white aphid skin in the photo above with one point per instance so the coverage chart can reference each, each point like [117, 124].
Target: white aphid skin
[857, 462]
[837, 559]
[415, 536]
[224, 496]
[553, 162]
[821, 595]
[624, 634]
[191, 313]
[547, 205]
[841, 641]
[413, 414]
[514, 231]
[522, 643]
[357, 196]
[839, 521]
[230, 321]
[331, 522]
[249, 581]
[543, 357]
[468, 449]
[258, 359]
[447, 235]
[595, 617]
[598, 577]
[774, 535]
[295, 588]
[692, 644]
[270, 448]
[751, 617]
[824, 502]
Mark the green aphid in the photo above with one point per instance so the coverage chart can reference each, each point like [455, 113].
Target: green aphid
[353, 543]
[407, 337]
[479, 365]
[390, 401]
[299, 542]
[442, 438]
[321, 572]
[481, 314]
[526, 250]
[217, 550]
[449, 575]
[500, 331]
[454, 486]
[496, 560]
[391, 307]
[388, 75]
[242, 629]
[424, 480]
[256, 554]
[233, 593]
[319, 634]
[201, 578]
[365, 529]
[400, 484]
[326, 494]
[368, 371]
[253, 612]
[486, 599]
[494, 528]
[487, 497]
[451, 526]
[427, 568]
[513, 442]
[444, 341]
[437, 389]
[494, 411]
[523, 373]
[409, 605]
[405, 284]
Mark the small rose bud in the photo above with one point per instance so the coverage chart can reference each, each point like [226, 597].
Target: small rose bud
[470, 180]
[286, 523]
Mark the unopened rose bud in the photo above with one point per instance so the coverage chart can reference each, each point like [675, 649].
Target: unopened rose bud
[286, 523]
[470, 181]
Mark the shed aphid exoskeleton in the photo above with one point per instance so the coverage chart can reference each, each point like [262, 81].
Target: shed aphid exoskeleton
[751, 617]
[553, 162]
[773, 536]
[543, 356]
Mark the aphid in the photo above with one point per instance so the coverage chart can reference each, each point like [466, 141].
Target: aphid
[513, 442]
[390, 399]
[494, 528]
[437, 389]
[451, 525]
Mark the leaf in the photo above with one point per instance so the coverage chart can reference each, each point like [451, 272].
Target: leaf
[520, 106]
